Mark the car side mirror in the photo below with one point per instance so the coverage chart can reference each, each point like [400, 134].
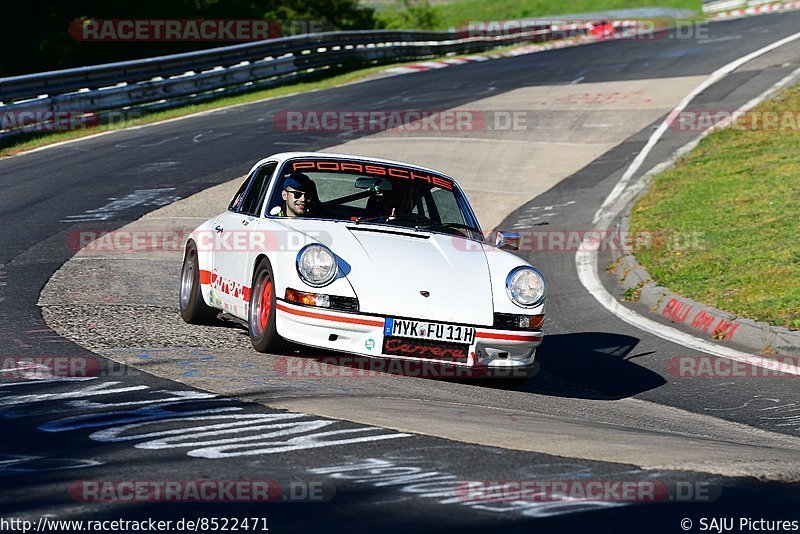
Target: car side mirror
[507, 240]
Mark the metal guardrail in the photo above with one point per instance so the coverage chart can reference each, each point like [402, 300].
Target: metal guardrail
[170, 80]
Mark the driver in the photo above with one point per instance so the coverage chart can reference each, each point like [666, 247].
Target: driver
[298, 193]
[396, 201]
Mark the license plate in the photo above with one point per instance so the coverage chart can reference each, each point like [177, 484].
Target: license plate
[426, 330]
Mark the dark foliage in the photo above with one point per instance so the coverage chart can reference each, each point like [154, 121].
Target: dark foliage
[35, 33]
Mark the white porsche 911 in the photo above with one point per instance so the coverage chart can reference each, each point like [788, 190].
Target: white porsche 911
[365, 256]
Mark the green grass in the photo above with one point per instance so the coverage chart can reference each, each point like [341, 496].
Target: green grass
[739, 191]
[465, 10]
[452, 14]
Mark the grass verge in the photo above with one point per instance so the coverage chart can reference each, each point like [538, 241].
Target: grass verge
[454, 13]
[443, 15]
[728, 217]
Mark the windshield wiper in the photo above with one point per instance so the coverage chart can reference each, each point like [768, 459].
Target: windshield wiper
[408, 217]
[454, 225]
[420, 222]
[370, 219]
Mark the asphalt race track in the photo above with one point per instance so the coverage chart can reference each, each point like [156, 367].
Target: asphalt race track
[384, 453]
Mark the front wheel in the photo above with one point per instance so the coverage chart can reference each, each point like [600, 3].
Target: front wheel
[194, 309]
[261, 319]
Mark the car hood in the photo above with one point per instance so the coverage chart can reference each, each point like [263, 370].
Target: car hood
[391, 269]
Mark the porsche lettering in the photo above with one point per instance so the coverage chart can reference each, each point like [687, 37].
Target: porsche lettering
[373, 170]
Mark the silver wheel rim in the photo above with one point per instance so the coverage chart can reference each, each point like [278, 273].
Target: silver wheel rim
[187, 280]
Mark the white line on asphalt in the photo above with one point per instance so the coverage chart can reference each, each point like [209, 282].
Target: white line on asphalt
[379, 138]
[586, 259]
[715, 76]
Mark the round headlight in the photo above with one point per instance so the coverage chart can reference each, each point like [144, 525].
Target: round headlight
[525, 287]
[316, 265]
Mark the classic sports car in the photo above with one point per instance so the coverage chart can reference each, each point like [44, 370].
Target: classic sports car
[366, 256]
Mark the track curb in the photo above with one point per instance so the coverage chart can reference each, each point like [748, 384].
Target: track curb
[709, 322]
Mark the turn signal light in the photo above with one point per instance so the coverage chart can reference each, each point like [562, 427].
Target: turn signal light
[510, 321]
[530, 321]
[309, 299]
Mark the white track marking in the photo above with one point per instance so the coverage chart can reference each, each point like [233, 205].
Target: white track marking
[586, 258]
[713, 78]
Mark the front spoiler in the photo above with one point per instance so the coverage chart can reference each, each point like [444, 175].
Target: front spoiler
[492, 350]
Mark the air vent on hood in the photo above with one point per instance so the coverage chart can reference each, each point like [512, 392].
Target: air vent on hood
[383, 231]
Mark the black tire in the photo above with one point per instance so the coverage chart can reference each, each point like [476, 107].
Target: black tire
[262, 315]
[194, 309]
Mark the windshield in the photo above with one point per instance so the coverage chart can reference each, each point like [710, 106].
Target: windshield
[372, 193]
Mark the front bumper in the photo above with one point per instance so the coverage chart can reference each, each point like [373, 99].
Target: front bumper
[363, 334]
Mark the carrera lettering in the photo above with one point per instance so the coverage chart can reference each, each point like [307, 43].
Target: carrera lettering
[421, 350]
[229, 287]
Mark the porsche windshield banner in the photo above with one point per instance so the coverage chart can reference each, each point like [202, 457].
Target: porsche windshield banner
[368, 169]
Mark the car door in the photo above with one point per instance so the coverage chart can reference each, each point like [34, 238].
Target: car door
[234, 242]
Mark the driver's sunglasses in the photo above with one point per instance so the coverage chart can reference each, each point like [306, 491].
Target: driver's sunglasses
[296, 194]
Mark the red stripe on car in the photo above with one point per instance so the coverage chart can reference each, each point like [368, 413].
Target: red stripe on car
[222, 285]
[325, 316]
[509, 337]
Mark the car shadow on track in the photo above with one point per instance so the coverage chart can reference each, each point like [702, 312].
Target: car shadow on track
[595, 365]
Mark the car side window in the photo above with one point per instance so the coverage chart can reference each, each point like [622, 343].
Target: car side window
[236, 202]
[447, 206]
[249, 199]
